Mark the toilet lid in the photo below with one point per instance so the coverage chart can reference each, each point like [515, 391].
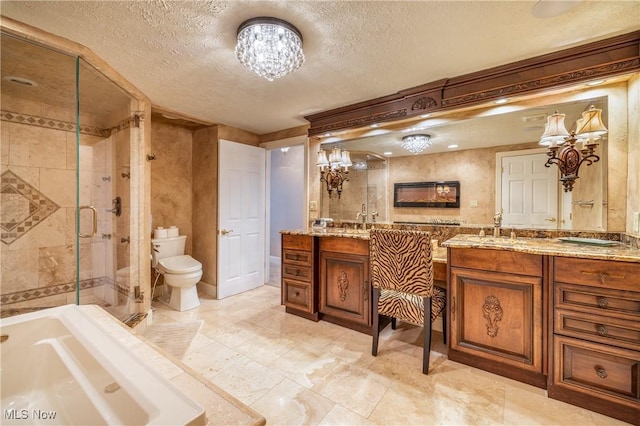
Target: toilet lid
[180, 264]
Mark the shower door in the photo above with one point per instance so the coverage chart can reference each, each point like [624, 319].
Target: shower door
[103, 199]
[65, 157]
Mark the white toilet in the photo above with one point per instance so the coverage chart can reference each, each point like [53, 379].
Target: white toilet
[181, 272]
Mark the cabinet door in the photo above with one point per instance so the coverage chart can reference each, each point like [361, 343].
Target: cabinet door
[344, 287]
[497, 317]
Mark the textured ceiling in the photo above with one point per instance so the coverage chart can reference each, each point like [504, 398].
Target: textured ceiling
[180, 53]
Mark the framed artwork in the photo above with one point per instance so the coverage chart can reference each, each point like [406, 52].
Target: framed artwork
[443, 194]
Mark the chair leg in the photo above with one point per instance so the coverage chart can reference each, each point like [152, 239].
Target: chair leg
[426, 352]
[393, 323]
[376, 321]
[444, 325]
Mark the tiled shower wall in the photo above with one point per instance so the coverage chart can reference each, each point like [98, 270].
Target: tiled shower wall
[38, 169]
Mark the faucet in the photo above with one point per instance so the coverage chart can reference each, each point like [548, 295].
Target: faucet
[497, 222]
[363, 214]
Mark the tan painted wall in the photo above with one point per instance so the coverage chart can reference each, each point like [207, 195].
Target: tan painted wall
[171, 179]
[205, 201]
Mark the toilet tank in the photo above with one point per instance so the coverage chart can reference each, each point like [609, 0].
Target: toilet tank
[167, 247]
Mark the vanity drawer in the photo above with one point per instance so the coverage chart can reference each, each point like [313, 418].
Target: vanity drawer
[298, 295]
[598, 300]
[296, 272]
[497, 260]
[589, 367]
[296, 257]
[598, 328]
[298, 242]
[599, 273]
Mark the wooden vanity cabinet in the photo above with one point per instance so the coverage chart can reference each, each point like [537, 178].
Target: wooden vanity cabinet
[299, 276]
[497, 312]
[596, 336]
[345, 290]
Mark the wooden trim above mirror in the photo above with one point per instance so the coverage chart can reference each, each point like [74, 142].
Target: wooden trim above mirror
[605, 58]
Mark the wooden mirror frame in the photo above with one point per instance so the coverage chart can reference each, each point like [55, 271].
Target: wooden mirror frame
[605, 58]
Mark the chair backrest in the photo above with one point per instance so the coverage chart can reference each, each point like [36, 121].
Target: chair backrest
[401, 260]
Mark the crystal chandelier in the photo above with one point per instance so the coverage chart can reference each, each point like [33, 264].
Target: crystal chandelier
[569, 151]
[270, 47]
[337, 169]
[416, 143]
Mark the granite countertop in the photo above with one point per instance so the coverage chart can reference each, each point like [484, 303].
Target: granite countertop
[546, 246]
[439, 255]
[358, 234]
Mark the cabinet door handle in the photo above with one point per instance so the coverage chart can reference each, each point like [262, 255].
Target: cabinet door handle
[453, 306]
[603, 302]
[601, 372]
[601, 329]
[366, 290]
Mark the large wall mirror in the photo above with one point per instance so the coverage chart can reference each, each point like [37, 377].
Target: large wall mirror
[474, 147]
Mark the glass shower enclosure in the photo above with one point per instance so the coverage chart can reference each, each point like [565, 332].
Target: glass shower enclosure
[65, 175]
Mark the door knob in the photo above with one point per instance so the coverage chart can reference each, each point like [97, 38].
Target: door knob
[551, 219]
[225, 231]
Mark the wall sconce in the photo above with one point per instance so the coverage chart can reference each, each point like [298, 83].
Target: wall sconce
[334, 170]
[575, 148]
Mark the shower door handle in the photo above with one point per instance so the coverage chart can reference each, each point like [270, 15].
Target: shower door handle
[94, 213]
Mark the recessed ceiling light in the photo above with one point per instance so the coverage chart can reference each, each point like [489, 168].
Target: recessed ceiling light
[21, 81]
[170, 116]
[425, 115]
[452, 146]
[501, 101]
[387, 153]
[595, 82]
[374, 125]
[326, 135]
[552, 8]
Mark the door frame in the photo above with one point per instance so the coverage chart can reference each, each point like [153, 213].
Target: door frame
[269, 146]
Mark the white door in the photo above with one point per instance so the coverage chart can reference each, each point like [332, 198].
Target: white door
[529, 192]
[241, 218]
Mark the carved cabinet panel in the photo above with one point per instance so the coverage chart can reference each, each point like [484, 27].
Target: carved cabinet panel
[497, 320]
[345, 292]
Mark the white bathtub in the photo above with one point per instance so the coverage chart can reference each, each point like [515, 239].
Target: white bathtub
[59, 367]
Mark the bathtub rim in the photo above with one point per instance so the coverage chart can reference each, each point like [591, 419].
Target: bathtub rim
[94, 338]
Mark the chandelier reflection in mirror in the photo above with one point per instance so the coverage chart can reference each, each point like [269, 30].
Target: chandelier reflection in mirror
[570, 150]
[270, 47]
[334, 171]
[416, 143]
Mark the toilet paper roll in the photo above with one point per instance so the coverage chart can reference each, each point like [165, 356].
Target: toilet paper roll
[173, 231]
[160, 233]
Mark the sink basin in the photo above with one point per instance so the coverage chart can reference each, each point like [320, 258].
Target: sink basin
[589, 241]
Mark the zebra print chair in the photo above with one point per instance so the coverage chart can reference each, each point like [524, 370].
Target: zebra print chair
[402, 280]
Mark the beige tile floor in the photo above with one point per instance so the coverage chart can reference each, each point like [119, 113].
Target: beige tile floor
[295, 371]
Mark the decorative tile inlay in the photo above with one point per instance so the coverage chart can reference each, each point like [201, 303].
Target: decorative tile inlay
[52, 290]
[34, 120]
[23, 207]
